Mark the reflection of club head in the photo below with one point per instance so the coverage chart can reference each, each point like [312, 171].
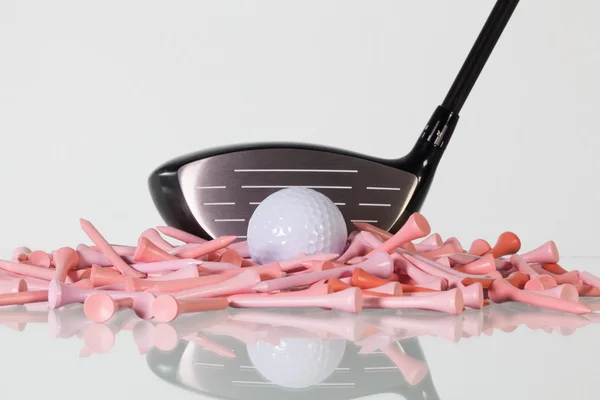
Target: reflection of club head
[190, 367]
[375, 364]
[297, 366]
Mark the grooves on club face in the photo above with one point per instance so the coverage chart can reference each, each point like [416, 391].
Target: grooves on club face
[214, 193]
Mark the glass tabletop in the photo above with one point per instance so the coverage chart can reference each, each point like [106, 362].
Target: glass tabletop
[507, 350]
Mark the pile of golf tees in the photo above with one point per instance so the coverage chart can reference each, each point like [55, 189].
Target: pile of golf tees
[411, 269]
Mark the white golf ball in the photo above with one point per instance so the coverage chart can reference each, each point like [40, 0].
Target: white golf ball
[292, 221]
[297, 362]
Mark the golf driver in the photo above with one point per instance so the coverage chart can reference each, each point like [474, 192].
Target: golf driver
[215, 192]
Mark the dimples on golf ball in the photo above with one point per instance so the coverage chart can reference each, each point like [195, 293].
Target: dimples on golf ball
[292, 221]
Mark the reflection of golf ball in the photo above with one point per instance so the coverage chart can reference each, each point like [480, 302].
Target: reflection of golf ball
[297, 362]
[292, 221]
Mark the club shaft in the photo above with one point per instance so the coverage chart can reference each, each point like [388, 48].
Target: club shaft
[479, 54]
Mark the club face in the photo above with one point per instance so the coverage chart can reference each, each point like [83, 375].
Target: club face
[222, 191]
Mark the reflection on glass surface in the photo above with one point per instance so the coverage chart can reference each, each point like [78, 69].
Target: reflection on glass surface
[241, 354]
[292, 355]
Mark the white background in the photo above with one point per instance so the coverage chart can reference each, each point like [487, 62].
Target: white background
[94, 95]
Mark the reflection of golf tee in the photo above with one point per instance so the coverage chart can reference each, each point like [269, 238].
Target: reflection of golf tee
[413, 370]
[100, 338]
[17, 318]
[245, 332]
[506, 319]
[211, 345]
[165, 336]
[351, 329]
[447, 327]
[142, 334]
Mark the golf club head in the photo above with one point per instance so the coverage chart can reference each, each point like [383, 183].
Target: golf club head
[215, 193]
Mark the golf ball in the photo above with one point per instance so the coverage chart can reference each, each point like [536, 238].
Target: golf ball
[293, 221]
